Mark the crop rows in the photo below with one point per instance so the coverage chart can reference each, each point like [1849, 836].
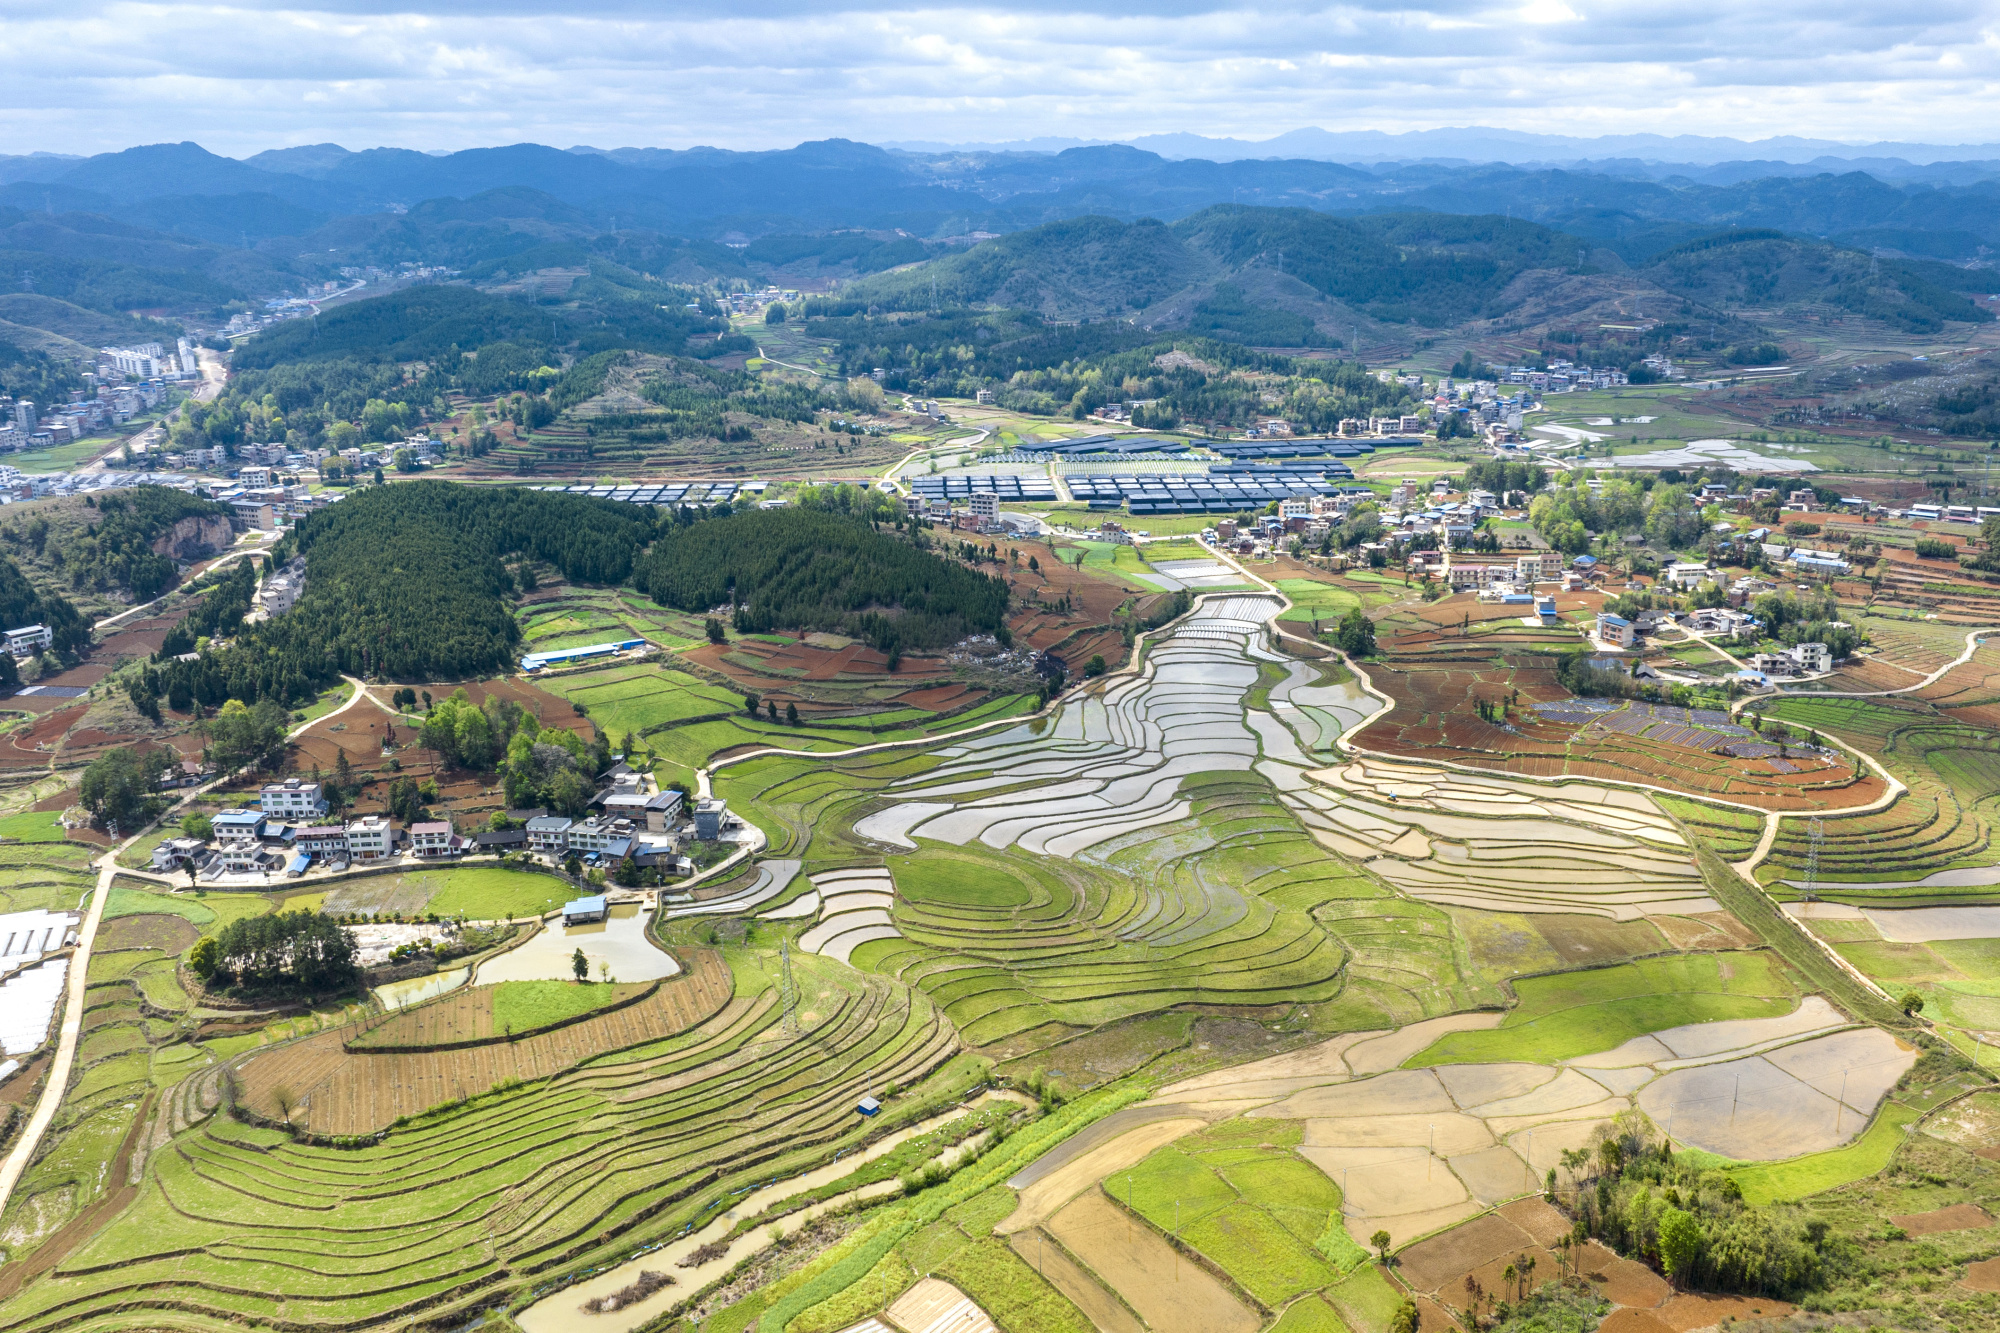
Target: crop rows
[345, 1092]
[241, 1223]
[1942, 822]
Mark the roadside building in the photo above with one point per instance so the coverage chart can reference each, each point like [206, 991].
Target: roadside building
[323, 842]
[292, 799]
[434, 838]
[550, 833]
[239, 825]
[371, 838]
[177, 853]
[1616, 630]
[709, 819]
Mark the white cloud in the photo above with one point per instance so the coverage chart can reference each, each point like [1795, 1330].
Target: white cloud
[240, 78]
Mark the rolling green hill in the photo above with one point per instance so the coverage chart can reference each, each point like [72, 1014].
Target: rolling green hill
[1767, 268]
[94, 327]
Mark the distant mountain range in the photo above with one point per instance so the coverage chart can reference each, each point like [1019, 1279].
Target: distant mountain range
[1486, 144]
[177, 230]
[295, 194]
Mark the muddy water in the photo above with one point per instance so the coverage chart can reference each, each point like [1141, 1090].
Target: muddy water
[620, 943]
[400, 994]
[561, 1312]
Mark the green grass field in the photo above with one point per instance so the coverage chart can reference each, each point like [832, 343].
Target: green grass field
[484, 893]
[946, 881]
[1795, 1179]
[1239, 1194]
[1313, 600]
[32, 826]
[520, 1006]
[1578, 1013]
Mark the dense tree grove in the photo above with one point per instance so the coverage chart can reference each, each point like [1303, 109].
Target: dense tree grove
[1637, 1198]
[303, 951]
[551, 768]
[818, 570]
[118, 785]
[407, 581]
[465, 735]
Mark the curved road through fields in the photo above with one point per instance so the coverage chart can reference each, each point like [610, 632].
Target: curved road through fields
[57, 1083]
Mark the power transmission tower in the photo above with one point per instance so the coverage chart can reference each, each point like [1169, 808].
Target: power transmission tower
[791, 992]
[1815, 831]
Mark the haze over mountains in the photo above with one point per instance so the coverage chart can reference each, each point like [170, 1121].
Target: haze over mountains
[1480, 143]
[1936, 209]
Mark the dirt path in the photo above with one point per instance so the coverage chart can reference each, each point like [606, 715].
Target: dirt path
[57, 1085]
[1972, 638]
[87, 1223]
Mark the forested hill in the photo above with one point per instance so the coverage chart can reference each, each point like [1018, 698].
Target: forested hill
[104, 543]
[411, 582]
[1767, 268]
[1255, 274]
[817, 570]
[1431, 268]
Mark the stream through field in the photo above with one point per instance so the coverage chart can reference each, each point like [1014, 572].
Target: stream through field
[562, 1311]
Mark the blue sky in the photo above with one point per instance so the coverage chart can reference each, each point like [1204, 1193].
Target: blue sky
[86, 77]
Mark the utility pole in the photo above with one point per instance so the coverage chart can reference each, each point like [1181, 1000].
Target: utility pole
[791, 994]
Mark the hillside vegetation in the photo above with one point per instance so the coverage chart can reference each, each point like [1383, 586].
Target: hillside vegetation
[816, 570]
[1433, 270]
[408, 581]
[1767, 268]
[104, 544]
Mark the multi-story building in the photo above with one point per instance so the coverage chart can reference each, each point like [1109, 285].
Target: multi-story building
[371, 838]
[434, 838]
[607, 835]
[292, 799]
[29, 640]
[323, 842]
[655, 809]
[239, 825]
[710, 817]
[549, 833]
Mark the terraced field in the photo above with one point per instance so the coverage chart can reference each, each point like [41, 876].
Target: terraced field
[514, 1188]
[1933, 843]
[1182, 866]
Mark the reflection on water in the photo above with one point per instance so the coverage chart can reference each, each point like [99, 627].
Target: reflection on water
[618, 944]
[399, 994]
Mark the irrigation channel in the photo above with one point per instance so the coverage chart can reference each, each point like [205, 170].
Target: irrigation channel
[562, 1311]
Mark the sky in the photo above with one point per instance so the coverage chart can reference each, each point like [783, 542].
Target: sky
[88, 77]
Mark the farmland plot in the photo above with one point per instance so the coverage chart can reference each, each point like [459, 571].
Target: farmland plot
[522, 1186]
[1501, 844]
[1414, 1150]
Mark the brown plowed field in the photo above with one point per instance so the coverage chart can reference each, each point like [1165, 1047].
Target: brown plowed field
[349, 1093]
[1436, 719]
[464, 1015]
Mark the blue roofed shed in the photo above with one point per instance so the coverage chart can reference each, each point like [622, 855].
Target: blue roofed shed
[582, 911]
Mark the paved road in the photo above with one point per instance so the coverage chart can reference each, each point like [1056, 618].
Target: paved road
[57, 1083]
[214, 374]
